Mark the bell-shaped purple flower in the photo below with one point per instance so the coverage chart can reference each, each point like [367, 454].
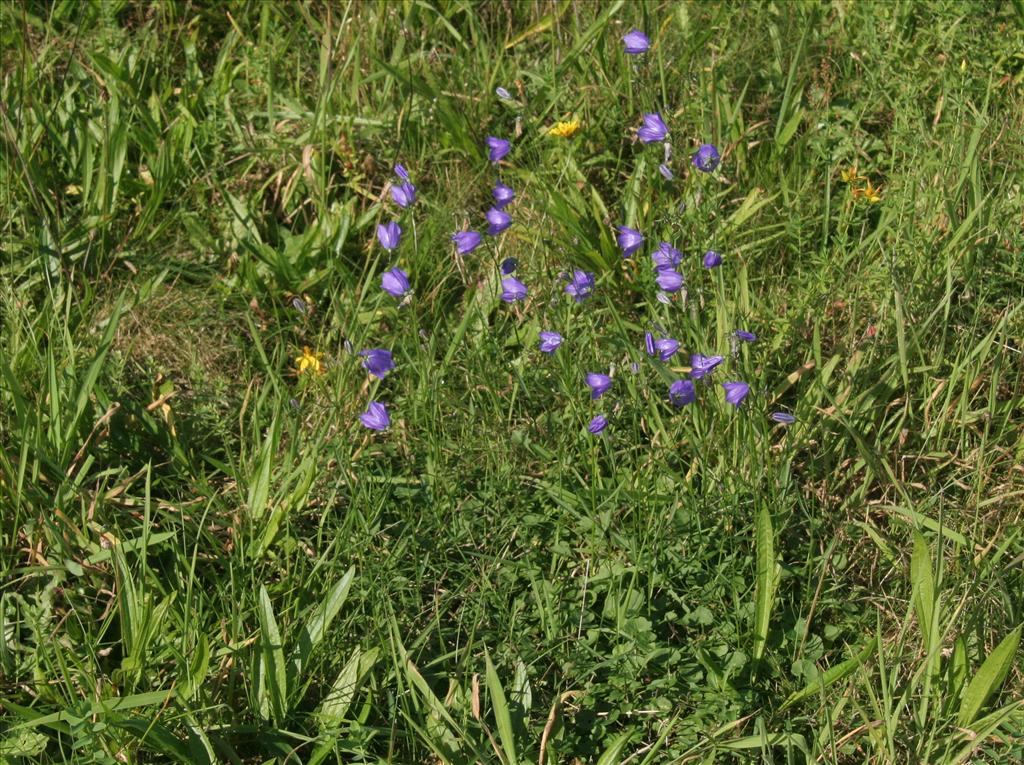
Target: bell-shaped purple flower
[395, 282]
[747, 337]
[701, 366]
[681, 393]
[497, 148]
[666, 256]
[599, 423]
[636, 42]
[712, 259]
[580, 285]
[508, 265]
[503, 194]
[669, 280]
[498, 221]
[375, 417]
[598, 384]
[706, 158]
[629, 239]
[735, 392]
[466, 241]
[783, 418]
[377, 361]
[666, 348]
[401, 172]
[404, 194]
[512, 289]
[549, 341]
[389, 234]
[653, 129]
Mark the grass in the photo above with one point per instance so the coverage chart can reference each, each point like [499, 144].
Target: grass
[207, 559]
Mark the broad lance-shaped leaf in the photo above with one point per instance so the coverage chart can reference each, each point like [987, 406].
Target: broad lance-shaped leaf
[989, 678]
[274, 670]
[767, 579]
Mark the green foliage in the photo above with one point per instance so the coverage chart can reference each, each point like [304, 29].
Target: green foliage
[206, 559]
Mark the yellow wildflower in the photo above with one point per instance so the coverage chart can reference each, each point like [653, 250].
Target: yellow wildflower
[871, 193]
[850, 175]
[565, 128]
[309, 360]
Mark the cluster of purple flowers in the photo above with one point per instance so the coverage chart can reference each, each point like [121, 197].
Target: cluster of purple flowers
[580, 284]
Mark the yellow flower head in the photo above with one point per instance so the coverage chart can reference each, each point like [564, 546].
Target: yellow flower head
[309, 360]
[872, 194]
[850, 175]
[565, 129]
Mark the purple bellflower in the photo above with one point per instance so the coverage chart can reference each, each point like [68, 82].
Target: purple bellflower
[498, 221]
[375, 417]
[700, 366]
[599, 423]
[466, 241]
[395, 282]
[747, 337]
[580, 285]
[706, 158]
[636, 42]
[666, 172]
[512, 289]
[598, 384]
[377, 361]
[403, 194]
[497, 148]
[389, 234]
[669, 280]
[549, 341]
[649, 344]
[666, 348]
[666, 256]
[784, 418]
[681, 393]
[508, 265]
[503, 194]
[629, 240]
[654, 128]
[735, 392]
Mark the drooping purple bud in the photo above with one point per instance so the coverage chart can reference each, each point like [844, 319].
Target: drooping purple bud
[712, 259]
[735, 392]
[599, 423]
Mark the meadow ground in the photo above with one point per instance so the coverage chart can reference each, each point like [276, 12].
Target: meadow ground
[207, 556]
